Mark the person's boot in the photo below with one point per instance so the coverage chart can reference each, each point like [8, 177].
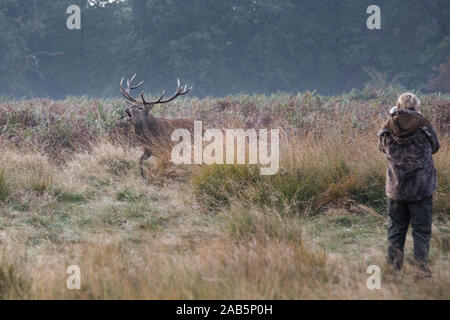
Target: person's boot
[422, 271]
[392, 271]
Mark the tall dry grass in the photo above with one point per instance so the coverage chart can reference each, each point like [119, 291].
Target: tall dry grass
[258, 267]
[205, 232]
[314, 173]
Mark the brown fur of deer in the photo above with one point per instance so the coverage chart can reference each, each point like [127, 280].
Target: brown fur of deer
[153, 133]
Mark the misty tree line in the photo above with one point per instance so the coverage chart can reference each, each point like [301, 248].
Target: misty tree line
[220, 47]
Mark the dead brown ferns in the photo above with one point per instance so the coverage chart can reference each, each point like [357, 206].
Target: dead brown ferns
[153, 133]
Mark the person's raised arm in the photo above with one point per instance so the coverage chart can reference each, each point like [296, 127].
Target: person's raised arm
[432, 136]
[382, 139]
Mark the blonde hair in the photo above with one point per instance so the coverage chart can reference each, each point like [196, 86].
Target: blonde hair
[408, 101]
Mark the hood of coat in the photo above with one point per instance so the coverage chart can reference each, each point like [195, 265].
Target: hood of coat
[403, 123]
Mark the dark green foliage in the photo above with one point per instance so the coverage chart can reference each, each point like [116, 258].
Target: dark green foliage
[221, 47]
[291, 192]
[371, 192]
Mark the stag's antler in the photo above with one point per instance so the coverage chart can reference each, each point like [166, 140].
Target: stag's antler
[126, 93]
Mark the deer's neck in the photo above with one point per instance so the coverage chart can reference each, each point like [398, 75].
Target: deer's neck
[148, 128]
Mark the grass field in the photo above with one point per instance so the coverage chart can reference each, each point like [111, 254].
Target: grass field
[71, 194]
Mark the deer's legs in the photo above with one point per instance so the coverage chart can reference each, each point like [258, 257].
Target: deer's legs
[144, 157]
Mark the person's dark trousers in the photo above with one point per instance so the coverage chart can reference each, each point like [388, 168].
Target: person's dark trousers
[400, 215]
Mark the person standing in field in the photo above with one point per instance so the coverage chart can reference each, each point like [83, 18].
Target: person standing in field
[409, 140]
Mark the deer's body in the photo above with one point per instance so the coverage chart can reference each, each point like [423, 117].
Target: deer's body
[158, 130]
[153, 133]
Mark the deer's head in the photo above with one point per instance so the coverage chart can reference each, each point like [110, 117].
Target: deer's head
[137, 112]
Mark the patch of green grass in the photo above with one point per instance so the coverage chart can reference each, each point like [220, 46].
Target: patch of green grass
[70, 197]
[345, 232]
[345, 221]
[127, 195]
[97, 182]
[23, 207]
[136, 210]
[215, 185]
[4, 187]
[112, 215]
[84, 222]
[54, 224]
[294, 190]
[371, 192]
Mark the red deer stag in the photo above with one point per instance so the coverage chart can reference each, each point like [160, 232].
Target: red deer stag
[153, 133]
